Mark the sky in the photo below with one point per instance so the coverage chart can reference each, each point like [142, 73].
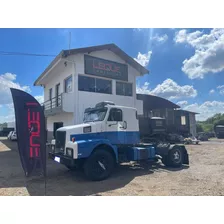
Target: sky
[186, 65]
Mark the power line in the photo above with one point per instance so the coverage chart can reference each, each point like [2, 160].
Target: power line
[25, 54]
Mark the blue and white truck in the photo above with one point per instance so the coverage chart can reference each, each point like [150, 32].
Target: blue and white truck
[109, 135]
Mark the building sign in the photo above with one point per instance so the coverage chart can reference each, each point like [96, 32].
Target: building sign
[31, 132]
[104, 68]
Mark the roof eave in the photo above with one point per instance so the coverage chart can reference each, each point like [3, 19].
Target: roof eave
[56, 59]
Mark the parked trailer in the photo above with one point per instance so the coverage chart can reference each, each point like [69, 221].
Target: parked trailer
[219, 131]
[109, 135]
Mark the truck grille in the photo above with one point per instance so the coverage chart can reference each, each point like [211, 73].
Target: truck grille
[60, 141]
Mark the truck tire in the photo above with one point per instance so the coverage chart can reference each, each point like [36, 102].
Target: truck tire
[174, 158]
[99, 165]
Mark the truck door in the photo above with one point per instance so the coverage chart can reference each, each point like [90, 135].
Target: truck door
[115, 127]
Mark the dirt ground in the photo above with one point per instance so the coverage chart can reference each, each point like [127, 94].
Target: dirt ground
[204, 176]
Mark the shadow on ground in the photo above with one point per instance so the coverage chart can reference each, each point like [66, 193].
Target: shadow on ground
[62, 182]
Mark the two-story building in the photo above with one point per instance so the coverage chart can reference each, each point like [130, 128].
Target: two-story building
[80, 78]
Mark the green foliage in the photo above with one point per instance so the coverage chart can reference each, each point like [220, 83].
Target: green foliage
[208, 125]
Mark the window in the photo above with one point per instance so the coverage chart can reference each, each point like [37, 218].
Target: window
[95, 115]
[57, 87]
[57, 94]
[124, 89]
[90, 84]
[183, 120]
[50, 94]
[86, 84]
[159, 123]
[115, 115]
[68, 84]
[156, 113]
[103, 86]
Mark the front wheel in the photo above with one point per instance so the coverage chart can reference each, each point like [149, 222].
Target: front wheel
[174, 158]
[99, 165]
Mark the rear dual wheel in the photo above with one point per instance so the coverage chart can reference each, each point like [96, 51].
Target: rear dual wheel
[174, 158]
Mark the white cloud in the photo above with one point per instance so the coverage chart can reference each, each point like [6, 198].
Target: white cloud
[143, 89]
[143, 59]
[169, 90]
[212, 91]
[7, 81]
[206, 109]
[182, 103]
[160, 39]
[11, 114]
[209, 52]
[221, 89]
[8, 118]
[40, 98]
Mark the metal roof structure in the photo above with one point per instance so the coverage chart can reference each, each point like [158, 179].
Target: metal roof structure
[187, 111]
[151, 102]
[112, 47]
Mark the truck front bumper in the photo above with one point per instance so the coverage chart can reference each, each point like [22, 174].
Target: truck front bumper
[65, 160]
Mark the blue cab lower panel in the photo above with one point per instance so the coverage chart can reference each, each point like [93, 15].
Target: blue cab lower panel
[140, 153]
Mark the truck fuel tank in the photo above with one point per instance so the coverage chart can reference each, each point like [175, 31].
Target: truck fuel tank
[141, 153]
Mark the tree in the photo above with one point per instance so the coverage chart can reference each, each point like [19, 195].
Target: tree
[199, 127]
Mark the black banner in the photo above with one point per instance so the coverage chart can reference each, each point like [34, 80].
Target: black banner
[105, 68]
[31, 132]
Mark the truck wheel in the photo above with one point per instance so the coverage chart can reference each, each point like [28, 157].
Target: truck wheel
[99, 165]
[174, 158]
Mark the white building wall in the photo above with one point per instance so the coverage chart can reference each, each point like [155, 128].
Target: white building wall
[57, 75]
[89, 99]
[66, 118]
[86, 99]
[11, 124]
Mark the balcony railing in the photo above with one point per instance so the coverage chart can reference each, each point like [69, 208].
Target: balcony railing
[55, 102]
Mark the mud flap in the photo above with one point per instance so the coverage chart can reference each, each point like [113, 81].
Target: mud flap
[186, 158]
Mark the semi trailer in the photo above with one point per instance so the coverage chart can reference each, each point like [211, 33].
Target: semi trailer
[219, 131]
[109, 135]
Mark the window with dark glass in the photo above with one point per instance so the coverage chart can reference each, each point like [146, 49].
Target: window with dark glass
[86, 84]
[159, 123]
[50, 94]
[115, 115]
[57, 89]
[68, 84]
[103, 86]
[124, 89]
[90, 84]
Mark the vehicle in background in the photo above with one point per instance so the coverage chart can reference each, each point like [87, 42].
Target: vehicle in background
[202, 136]
[9, 135]
[211, 134]
[191, 140]
[219, 131]
[5, 131]
[13, 136]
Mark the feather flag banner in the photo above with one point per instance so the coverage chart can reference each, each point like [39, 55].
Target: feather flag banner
[31, 132]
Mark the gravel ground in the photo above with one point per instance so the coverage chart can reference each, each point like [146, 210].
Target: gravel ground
[204, 176]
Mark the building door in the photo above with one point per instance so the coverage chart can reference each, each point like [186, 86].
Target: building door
[57, 94]
[115, 130]
[56, 126]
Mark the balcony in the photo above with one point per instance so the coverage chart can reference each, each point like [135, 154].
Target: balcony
[53, 106]
[62, 103]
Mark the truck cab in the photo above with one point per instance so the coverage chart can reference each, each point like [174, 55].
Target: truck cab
[108, 135]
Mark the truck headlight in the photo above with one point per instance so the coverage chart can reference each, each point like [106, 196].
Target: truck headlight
[69, 152]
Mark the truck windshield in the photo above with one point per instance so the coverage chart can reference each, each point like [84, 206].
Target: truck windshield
[95, 115]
